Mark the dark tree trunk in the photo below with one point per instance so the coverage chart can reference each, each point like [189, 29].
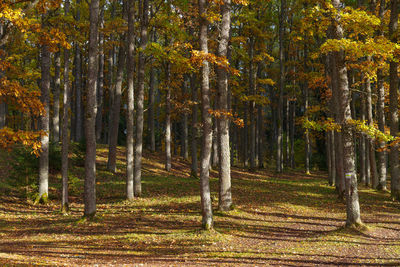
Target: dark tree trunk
[206, 205]
[114, 126]
[168, 157]
[393, 106]
[292, 133]
[90, 116]
[252, 91]
[151, 124]
[100, 83]
[194, 165]
[65, 126]
[282, 19]
[78, 86]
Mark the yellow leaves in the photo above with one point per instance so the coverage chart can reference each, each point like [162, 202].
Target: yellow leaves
[227, 114]
[198, 57]
[266, 81]
[9, 137]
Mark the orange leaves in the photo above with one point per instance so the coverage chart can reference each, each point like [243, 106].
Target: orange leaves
[27, 101]
[9, 137]
[217, 113]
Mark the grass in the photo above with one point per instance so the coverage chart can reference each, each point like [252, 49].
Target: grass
[287, 219]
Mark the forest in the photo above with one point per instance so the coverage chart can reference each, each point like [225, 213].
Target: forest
[199, 132]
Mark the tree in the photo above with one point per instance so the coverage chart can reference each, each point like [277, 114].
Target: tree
[225, 195]
[90, 114]
[206, 206]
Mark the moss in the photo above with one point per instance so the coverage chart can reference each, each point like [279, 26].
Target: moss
[42, 199]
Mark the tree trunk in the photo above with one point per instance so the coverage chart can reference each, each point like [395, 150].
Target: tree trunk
[393, 106]
[185, 133]
[114, 126]
[78, 86]
[382, 158]
[260, 137]
[168, 157]
[292, 133]
[90, 116]
[65, 126]
[282, 19]
[151, 110]
[100, 83]
[352, 202]
[194, 165]
[131, 100]
[140, 99]
[372, 161]
[252, 91]
[56, 98]
[44, 125]
[206, 205]
[225, 195]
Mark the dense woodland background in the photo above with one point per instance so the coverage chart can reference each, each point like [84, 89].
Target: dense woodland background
[311, 85]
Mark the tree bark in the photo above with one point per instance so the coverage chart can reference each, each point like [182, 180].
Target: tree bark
[90, 116]
[140, 100]
[194, 165]
[131, 100]
[65, 125]
[225, 195]
[252, 91]
[206, 205]
[114, 126]
[352, 202]
[56, 98]
[393, 106]
[44, 125]
[78, 86]
[151, 124]
[100, 83]
[382, 157]
[168, 157]
[282, 20]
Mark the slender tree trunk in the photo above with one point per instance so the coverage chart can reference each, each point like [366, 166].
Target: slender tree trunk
[185, 134]
[78, 86]
[382, 157]
[131, 100]
[260, 137]
[56, 98]
[363, 151]
[282, 20]
[3, 113]
[90, 116]
[113, 128]
[140, 99]
[252, 91]
[100, 83]
[168, 157]
[215, 146]
[65, 125]
[352, 202]
[371, 141]
[333, 157]
[287, 115]
[292, 133]
[225, 195]
[393, 106]
[151, 124]
[44, 125]
[306, 133]
[206, 205]
[194, 165]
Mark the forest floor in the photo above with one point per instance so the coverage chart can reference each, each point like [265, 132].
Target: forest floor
[285, 220]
